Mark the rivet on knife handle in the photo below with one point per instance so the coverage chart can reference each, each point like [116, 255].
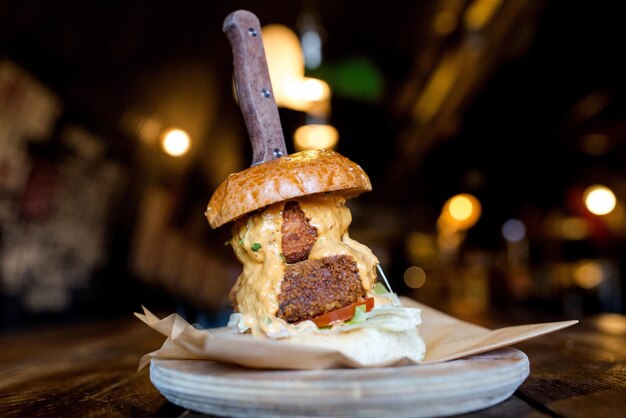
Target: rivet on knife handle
[254, 90]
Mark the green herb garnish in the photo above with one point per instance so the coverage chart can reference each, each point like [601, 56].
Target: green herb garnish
[283, 257]
[256, 246]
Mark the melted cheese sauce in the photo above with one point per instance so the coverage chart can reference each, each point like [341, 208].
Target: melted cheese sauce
[257, 288]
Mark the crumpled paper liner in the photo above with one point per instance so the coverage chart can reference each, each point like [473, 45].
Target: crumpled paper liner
[446, 338]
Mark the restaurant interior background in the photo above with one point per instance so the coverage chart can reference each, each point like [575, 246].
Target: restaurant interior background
[486, 126]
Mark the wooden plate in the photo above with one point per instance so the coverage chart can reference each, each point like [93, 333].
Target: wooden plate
[452, 387]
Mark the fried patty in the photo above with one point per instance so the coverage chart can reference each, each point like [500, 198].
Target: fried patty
[297, 233]
[314, 287]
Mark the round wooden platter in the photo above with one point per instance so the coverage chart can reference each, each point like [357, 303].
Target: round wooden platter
[448, 388]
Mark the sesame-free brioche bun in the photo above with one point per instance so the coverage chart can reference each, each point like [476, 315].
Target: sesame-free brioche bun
[299, 174]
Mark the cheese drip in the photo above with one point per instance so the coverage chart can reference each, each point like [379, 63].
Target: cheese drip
[257, 288]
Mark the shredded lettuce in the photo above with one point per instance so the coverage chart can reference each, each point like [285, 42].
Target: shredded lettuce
[359, 315]
[395, 318]
[388, 318]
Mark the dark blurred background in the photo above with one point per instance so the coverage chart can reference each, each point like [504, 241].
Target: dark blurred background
[494, 133]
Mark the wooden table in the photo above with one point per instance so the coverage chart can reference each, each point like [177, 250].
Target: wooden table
[90, 370]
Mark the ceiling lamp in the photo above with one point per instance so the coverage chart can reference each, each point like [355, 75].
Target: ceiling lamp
[315, 136]
[600, 200]
[285, 63]
[460, 212]
[175, 142]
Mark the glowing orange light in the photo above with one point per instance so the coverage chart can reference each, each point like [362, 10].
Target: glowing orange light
[460, 212]
[461, 208]
[589, 274]
[285, 63]
[175, 142]
[600, 200]
[311, 137]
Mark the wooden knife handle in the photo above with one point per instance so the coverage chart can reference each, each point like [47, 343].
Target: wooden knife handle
[253, 86]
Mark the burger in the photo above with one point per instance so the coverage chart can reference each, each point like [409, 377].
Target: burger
[304, 279]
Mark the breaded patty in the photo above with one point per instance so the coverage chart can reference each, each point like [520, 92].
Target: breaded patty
[297, 233]
[313, 287]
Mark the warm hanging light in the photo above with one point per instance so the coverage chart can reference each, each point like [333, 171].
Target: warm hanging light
[460, 208]
[301, 94]
[600, 200]
[175, 142]
[311, 90]
[460, 212]
[284, 56]
[315, 136]
[286, 67]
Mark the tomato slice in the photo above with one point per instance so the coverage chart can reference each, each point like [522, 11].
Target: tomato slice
[342, 314]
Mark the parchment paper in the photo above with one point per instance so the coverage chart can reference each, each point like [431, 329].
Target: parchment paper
[446, 338]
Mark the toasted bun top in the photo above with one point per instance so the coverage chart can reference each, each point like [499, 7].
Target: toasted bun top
[288, 177]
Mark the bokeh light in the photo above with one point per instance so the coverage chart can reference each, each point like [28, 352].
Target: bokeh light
[600, 200]
[314, 89]
[514, 230]
[461, 208]
[315, 136]
[574, 228]
[460, 212]
[176, 142]
[285, 62]
[414, 277]
[589, 274]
